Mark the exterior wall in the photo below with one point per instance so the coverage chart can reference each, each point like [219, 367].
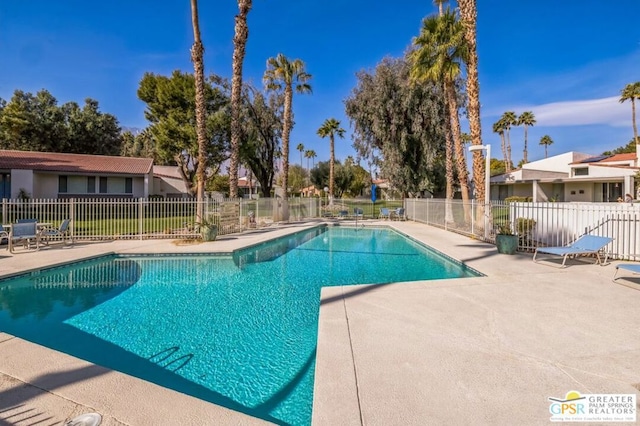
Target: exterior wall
[139, 188]
[557, 163]
[45, 185]
[21, 179]
[168, 187]
[572, 191]
[522, 190]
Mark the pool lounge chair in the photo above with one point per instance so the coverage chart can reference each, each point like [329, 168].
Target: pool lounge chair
[631, 267]
[4, 235]
[586, 244]
[384, 213]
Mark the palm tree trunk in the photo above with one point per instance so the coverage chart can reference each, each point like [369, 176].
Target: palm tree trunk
[332, 164]
[545, 150]
[633, 118]
[239, 46]
[463, 174]
[286, 131]
[197, 52]
[503, 145]
[448, 167]
[508, 144]
[524, 153]
[469, 16]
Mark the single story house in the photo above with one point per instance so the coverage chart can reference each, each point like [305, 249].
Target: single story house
[57, 175]
[572, 176]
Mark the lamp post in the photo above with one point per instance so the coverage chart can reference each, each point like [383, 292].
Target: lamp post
[487, 182]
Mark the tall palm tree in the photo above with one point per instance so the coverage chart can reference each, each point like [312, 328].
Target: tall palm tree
[526, 119]
[509, 119]
[448, 148]
[300, 148]
[469, 17]
[307, 155]
[286, 75]
[312, 155]
[546, 141]
[440, 52]
[239, 44]
[498, 127]
[197, 53]
[631, 92]
[331, 127]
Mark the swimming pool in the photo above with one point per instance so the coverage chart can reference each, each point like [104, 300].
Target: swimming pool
[237, 330]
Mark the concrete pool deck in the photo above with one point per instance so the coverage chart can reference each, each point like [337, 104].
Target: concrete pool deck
[485, 350]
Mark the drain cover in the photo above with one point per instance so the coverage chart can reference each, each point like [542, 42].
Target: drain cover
[89, 419]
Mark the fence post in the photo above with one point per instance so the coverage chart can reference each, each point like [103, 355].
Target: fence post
[72, 216]
[4, 210]
[140, 217]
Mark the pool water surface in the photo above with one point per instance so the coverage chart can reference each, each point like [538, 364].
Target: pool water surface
[237, 330]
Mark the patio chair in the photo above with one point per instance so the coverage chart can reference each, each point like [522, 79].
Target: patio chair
[586, 244]
[384, 213]
[631, 267]
[25, 233]
[27, 221]
[399, 214]
[358, 213]
[4, 235]
[60, 233]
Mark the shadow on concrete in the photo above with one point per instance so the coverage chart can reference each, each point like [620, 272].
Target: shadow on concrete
[353, 293]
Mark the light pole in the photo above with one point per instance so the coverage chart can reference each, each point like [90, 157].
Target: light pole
[487, 182]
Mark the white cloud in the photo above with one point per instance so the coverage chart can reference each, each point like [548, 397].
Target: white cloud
[608, 111]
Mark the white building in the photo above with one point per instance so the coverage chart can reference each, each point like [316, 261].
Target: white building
[572, 176]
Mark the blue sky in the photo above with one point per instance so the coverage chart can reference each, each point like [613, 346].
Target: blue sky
[564, 60]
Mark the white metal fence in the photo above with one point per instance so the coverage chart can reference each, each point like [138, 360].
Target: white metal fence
[106, 219]
[537, 224]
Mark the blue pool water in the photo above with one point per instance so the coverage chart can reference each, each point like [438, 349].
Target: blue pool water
[237, 330]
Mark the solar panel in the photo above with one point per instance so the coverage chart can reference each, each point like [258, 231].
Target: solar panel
[595, 159]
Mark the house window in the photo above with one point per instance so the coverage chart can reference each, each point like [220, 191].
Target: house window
[103, 185]
[582, 171]
[91, 185]
[128, 185]
[62, 184]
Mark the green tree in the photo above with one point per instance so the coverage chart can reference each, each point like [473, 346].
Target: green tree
[297, 178]
[37, 123]
[631, 92]
[320, 175]
[239, 47]
[171, 112]
[90, 131]
[496, 167]
[627, 149]
[331, 128]
[399, 126]
[440, 54]
[262, 129]
[360, 178]
[526, 119]
[285, 76]
[218, 183]
[546, 141]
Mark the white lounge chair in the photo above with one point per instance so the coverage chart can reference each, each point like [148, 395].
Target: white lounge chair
[586, 244]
